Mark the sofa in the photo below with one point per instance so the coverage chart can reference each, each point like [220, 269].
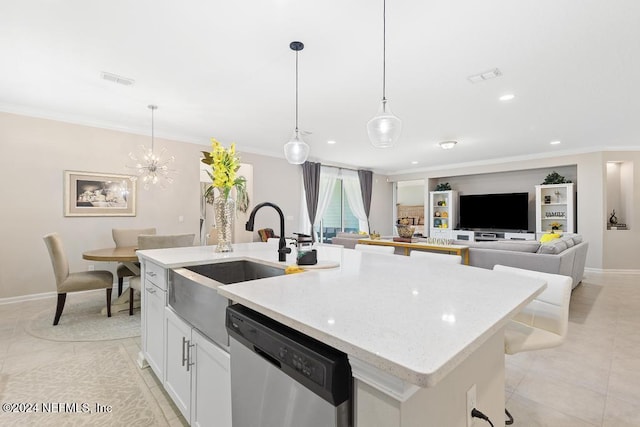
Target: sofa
[565, 255]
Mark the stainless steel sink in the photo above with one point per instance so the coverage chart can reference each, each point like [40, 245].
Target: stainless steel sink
[236, 271]
[193, 293]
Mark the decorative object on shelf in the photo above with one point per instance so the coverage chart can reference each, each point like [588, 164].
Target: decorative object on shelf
[558, 194]
[224, 165]
[374, 235]
[437, 214]
[613, 219]
[547, 200]
[447, 145]
[405, 231]
[443, 187]
[149, 165]
[555, 226]
[445, 214]
[384, 128]
[551, 214]
[404, 221]
[439, 241]
[296, 150]
[555, 178]
[437, 222]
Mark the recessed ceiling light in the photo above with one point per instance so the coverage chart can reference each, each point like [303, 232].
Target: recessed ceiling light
[447, 145]
[331, 141]
[415, 162]
[554, 142]
[507, 97]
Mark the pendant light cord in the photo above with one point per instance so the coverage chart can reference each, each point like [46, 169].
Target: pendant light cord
[384, 50]
[296, 92]
[153, 108]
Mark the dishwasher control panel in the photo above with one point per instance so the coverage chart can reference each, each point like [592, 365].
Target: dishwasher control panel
[319, 367]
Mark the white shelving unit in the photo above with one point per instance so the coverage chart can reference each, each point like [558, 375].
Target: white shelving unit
[555, 203]
[443, 213]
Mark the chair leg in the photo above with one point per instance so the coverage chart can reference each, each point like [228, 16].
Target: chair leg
[109, 291]
[61, 300]
[120, 283]
[509, 420]
[130, 301]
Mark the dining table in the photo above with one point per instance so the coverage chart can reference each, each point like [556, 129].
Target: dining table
[127, 256]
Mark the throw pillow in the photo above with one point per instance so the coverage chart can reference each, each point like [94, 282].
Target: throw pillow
[549, 237]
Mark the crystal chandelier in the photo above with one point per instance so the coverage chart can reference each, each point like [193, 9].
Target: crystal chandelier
[296, 150]
[384, 128]
[149, 166]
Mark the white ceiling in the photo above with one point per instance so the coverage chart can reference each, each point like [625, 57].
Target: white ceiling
[224, 69]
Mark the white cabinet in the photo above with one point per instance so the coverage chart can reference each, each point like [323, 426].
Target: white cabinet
[197, 374]
[154, 297]
[177, 375]
[210, 383]
[443, 213]
[555, 207]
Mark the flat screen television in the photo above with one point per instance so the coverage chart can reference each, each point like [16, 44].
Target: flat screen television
[505, 211]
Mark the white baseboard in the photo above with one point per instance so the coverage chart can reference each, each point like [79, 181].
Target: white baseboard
[611, 271]
[32, 297]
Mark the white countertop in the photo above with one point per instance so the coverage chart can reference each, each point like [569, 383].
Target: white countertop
[411, 319]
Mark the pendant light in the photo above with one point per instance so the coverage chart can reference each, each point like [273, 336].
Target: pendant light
[150, 167]
[296, 150]
[384, 128]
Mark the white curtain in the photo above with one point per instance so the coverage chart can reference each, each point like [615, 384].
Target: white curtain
[351, 183]
[328, 178]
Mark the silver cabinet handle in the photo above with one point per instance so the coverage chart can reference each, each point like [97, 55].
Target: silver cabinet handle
[184, 344]
[151, 290]
[151, 273]
[189, 362]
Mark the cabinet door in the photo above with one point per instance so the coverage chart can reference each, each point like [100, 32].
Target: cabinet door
[177, 378]
[153, 302]
[210, 384]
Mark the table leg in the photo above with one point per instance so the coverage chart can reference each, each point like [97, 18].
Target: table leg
[466, 256]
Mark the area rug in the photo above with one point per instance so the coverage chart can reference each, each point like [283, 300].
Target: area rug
[93, 388]
[83, 321]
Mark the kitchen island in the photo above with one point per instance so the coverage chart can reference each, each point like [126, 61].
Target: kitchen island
[418, 335]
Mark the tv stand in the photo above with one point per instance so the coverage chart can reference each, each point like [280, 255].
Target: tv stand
[490, 235]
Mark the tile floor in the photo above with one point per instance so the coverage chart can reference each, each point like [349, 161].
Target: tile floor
[593, 379]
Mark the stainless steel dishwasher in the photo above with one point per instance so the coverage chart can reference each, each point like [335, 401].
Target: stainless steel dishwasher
[282, 378]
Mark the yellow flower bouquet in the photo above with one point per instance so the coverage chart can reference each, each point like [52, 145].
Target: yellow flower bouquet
[224, 167]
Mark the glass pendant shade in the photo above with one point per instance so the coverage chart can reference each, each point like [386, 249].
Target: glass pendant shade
[384, 128]
[296, 150]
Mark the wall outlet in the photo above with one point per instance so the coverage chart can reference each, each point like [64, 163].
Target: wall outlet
[471, 403]
[180, 218]
[91, 267]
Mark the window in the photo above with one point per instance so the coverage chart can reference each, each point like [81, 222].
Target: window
[338, 216]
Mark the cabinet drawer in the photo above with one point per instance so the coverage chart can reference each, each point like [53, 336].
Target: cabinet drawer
[156, 275]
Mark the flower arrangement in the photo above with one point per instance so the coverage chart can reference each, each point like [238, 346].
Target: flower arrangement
[224, 167]
[555, 225]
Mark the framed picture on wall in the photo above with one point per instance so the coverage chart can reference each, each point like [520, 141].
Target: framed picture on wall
[98, 194]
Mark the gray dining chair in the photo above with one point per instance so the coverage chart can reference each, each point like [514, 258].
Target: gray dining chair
[127, 237]
[435, 258]
[74, 282]
[157, 242]
[389, 250]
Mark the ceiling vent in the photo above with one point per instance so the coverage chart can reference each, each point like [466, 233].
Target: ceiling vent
[125, 81]
[487, 75]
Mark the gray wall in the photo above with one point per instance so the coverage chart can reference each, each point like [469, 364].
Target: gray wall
[507, 182]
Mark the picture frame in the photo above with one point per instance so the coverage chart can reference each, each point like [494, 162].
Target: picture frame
[99, 194]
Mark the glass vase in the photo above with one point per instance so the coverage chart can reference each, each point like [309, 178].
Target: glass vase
[224, 210]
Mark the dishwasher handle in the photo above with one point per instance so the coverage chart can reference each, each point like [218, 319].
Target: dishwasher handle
[269, 358]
